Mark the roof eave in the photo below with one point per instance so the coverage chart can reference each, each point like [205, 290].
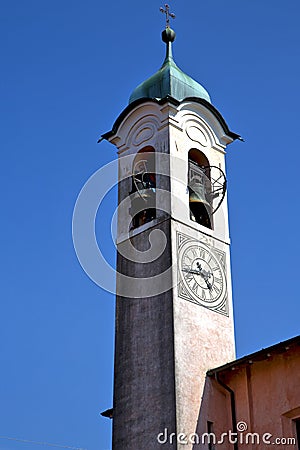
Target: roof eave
[168, 98]
[260, 355]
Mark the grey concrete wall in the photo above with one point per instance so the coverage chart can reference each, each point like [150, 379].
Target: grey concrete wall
[144, 392]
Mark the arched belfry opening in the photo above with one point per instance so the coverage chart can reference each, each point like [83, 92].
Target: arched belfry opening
[199, 186]
[143, 188]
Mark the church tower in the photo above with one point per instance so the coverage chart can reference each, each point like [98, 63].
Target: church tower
[174, 318]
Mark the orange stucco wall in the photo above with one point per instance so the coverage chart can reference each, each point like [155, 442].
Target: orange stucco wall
[267, 399]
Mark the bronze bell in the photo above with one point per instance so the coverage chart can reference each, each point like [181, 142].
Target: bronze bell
[198, 192]
[141, 200]
[200, 207]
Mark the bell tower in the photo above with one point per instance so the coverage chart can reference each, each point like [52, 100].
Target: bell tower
[174, 318]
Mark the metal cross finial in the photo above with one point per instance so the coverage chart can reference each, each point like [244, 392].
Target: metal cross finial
[166, 11]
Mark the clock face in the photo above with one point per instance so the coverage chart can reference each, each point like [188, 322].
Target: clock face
[202, 276]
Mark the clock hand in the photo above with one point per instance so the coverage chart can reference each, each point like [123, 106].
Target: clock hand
[208, 284]
[199, 266]
[205, 275]
[194, 272]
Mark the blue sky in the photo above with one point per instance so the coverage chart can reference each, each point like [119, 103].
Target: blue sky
[67, 70]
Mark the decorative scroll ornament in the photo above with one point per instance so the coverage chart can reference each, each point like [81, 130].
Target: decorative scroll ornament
[197, 135]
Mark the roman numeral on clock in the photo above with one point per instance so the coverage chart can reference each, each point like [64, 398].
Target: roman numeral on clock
[216, 289]
[188, 276]
[195, 287]
[218, 280]
[202, 253]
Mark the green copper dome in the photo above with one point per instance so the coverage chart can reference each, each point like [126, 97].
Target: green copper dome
[169, 80]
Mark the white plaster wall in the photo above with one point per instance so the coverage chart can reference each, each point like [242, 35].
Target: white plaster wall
[203, 339]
